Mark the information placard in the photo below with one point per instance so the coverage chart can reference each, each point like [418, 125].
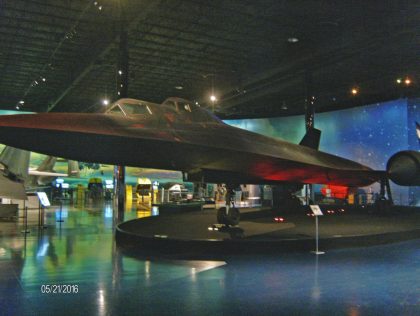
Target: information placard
[43, 198]
[316, 210]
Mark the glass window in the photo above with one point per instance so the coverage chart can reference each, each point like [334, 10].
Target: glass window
[116, 110]
[184, 107]
[170, 104]
[135, 109]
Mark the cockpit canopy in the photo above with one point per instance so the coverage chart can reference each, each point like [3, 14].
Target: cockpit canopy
[180, 107]
[131, 107]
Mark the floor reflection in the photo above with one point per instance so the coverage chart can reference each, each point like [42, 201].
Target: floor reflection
[81, 251]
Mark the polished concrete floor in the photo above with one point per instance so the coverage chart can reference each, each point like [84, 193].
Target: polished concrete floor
[79, 256]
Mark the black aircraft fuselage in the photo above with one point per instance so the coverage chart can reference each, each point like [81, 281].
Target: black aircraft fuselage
[178, 135]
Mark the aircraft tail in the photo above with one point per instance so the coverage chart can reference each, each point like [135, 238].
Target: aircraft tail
[16, 162]
[47, 164]
[311, 138]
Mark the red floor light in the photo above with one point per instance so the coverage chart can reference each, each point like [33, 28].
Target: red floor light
[279, 219]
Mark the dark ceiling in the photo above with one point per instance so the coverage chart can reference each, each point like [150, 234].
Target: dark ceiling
[242, 50]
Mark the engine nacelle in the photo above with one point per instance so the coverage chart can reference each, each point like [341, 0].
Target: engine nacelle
[403, 168]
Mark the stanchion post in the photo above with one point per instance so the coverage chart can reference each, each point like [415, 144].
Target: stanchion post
[60, 220]
[317, 212]
[25, 231]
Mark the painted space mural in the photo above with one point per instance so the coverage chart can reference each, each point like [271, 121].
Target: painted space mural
[368, 134]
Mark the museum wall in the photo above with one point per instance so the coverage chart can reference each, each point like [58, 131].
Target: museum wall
[369, 135]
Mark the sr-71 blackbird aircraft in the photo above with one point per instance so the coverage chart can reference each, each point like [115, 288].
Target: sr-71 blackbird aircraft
[179, 135]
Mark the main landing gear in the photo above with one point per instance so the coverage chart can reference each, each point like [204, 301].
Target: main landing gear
[229, 215]
[383, 204]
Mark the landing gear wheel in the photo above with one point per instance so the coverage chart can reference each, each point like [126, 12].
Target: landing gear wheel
[232, 218]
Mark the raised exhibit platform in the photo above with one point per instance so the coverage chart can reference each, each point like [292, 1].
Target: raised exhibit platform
[258, 232]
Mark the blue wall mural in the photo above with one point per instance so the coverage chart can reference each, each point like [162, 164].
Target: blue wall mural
[368, 134]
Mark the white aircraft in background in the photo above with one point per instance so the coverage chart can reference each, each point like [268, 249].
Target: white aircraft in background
[15, 174]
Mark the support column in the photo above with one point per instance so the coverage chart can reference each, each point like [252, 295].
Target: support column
[122, 92]
[309, 123]
[309, 102]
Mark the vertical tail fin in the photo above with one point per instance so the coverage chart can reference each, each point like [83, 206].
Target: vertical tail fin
[311, 138]
[47, 164]
[16, 162]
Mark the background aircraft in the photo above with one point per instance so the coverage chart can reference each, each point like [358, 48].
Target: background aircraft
[17, 177]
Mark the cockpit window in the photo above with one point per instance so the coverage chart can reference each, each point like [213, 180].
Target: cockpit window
[133, 109]
[190, 111]
[130, 107]
[116, 110]
[170, 104]
[184, 107]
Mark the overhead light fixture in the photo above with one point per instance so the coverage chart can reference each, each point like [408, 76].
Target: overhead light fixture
[407, 81]
[293, 40]
[398, 80]
[17, 107]
[21, 102]
[105, 101]
[354, 91]
[179, 87]
[213, 98]
[44, 79]
[120, 72]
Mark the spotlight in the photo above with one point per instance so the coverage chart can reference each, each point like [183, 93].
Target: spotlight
[293, 40]
[44, 79]
[105, 101]
[120, 72]
[213, 98]
[407, 81]
[399, 80]
[354, 91]
[21, 102]
[17, 107]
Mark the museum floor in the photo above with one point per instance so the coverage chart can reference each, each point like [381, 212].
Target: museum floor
[81, 252]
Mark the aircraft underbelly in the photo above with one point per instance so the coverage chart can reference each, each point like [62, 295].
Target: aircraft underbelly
[171, 153]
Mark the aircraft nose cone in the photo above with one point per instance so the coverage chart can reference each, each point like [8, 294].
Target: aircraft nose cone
[67, 122]
[34, 121]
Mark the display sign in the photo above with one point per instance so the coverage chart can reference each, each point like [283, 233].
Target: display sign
[43, 198]
[316, 210]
